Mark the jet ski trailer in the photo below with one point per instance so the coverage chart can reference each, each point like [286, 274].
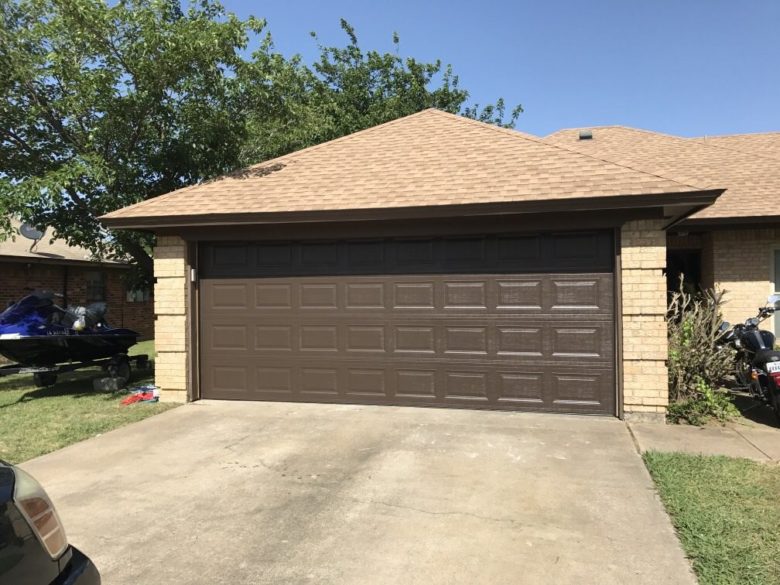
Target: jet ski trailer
[46, 340]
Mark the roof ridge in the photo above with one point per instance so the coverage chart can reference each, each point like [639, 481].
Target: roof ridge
[706, 136]
[620, 126]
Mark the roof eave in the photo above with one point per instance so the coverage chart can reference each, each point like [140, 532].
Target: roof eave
[742, 221]
[61, 261]
[698, 199]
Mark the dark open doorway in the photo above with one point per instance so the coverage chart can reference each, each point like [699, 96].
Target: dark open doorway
[685, 263]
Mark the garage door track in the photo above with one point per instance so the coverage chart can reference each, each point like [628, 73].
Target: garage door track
[254, 493]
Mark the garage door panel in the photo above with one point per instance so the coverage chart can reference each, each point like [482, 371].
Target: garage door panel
[578, 388]
[434, 382]
[586, 251]
[317, 321]
[521, 387]
[539, 341]
[414, 295]
[565, 295]
[273, 296]
[366, 338]
[362, 296]
[585, 342]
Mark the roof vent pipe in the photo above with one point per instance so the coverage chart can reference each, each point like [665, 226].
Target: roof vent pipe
[586, 135]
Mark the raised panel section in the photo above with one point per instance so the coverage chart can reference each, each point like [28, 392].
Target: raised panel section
[369, 295]
[464, 295]
[415, 252]
[274, 255]
[577, 342]
[319, 255]
[319, 381]
[273, 338]
[319, 296]
[366, 382]
[366, 253]
[415, 339]
[578, 388]
[228, 379]
[525, 249]
[466, 339]
[366, 338]
[519, 294]
[525, 387]
[274, 380]
[230, 255]
[228, 337]
[466, 385]
[415, 384]
[583, 246]
[414, 295]
[520, 341]
[464, 249]
[273, 296]
[319, 338]
[575, 294]
[229, 296]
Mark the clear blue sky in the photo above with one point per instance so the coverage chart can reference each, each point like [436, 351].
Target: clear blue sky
[687, 67]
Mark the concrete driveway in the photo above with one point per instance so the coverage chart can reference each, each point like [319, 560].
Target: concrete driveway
[254, 493]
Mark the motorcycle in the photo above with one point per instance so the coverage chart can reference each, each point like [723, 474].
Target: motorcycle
[757, 367]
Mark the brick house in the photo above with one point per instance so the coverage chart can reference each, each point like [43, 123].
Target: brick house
[733, 244]
[432, 261]
[70, 272]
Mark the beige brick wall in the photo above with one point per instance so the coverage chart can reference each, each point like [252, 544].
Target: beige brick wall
[643, 259]
[743, 266]
[170, 326]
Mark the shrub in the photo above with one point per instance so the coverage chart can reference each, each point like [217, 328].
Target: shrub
[698, 364]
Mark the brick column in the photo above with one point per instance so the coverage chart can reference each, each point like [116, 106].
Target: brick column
[170, 325]
[645, 349]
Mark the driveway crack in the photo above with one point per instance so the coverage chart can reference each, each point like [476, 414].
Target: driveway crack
[752, 444]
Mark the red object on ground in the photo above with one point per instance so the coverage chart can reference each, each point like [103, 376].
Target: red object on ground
[140, 397]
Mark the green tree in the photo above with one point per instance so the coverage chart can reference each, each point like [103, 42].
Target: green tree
[104, 106]
[348, 89]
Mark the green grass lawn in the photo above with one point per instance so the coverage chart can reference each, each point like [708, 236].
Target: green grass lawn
[727, 514]
[34, 421]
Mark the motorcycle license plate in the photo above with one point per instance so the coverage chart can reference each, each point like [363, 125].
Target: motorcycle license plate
[773, 367]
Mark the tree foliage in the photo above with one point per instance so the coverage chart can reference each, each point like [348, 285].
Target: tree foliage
[102, 106]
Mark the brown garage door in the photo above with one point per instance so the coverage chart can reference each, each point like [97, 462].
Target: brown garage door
[493, 321]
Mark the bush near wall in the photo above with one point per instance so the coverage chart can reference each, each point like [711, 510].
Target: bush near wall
[698, 364]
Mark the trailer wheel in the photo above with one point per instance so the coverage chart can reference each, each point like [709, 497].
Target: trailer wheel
[119, 368]
[44, 379]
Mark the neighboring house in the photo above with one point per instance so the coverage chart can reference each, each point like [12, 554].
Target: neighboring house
[733, 244]
[70, 271]
[433, 260]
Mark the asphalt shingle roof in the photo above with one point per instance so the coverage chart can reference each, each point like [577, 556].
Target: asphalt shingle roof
[751, 180]
[430, 158]
[45, 250]
[762, 144]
